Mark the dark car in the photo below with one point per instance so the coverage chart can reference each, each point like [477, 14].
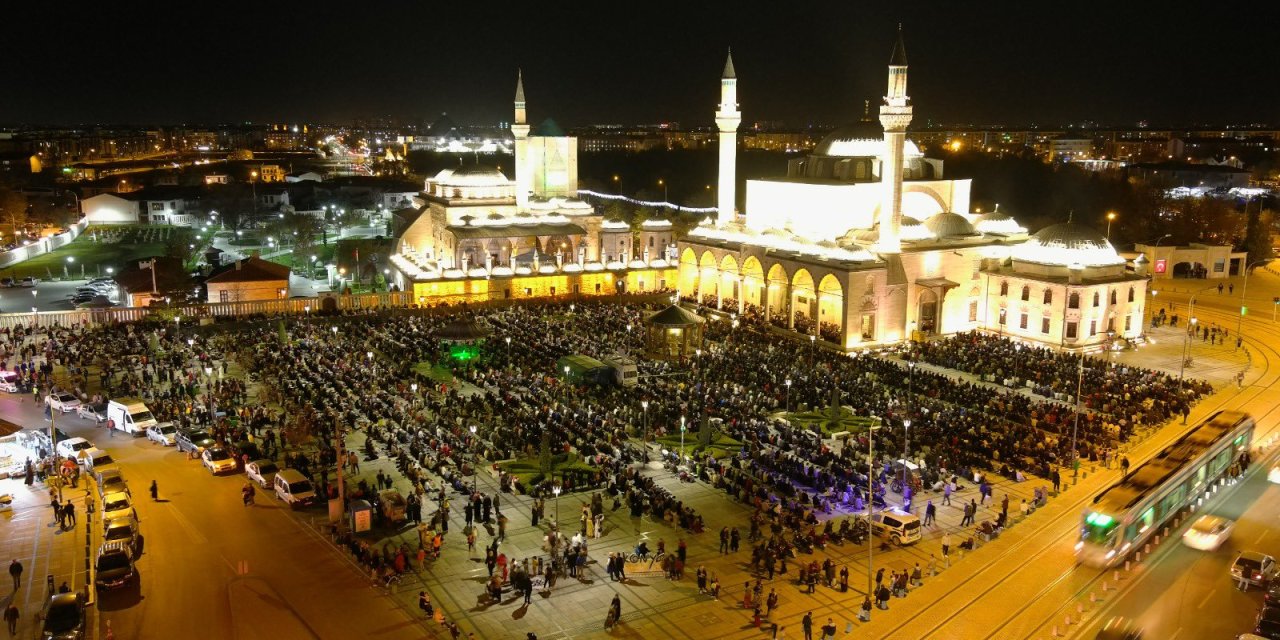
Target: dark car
[1272, 599]
[239, 450]
[1119, 629]
[193, 440]
[115, 566]
[63, 618]
[1268, 625]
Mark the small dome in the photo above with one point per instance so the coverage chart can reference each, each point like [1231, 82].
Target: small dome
[1066, 244]
[949, 225]
[473, 175]
[998, 222]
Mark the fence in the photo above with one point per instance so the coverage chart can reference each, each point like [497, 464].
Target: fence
[43, 245]
[325, 303]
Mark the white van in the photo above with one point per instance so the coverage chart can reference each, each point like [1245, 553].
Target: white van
[896, 526]
[294, 488]
[9, 381]
[129, 415]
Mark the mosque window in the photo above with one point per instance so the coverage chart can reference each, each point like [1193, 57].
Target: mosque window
[1003, 315]
[1113, 296]
[1044, 325]
[1071, 331]
[1026, 293]
[1093, 328]
[1128, 323]
[1073, 301]
[1097, 299]
[1048, 296]
[973, 311]
[1130, 296]
[1004, 289]
[1022, 321]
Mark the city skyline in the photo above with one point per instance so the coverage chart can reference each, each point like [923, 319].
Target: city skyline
[590, 67]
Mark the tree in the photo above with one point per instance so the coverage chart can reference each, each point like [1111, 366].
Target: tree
[1257, 236]
[13, 208]
[178, 246]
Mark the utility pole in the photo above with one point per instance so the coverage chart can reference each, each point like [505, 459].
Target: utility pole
[342, 494]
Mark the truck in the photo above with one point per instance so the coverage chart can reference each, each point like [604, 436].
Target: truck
[615, 369]
[129, 415]
[624, 369]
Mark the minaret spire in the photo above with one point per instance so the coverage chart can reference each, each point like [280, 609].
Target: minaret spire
[895, 115]
[520, 131]
[727, 120]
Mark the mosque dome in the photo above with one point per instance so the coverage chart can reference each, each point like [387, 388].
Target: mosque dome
[998, 222]
[949, 225]
[861, 139]
[1067, 244]
[473, 175]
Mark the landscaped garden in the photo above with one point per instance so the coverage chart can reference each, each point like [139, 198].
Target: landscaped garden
[100, 248]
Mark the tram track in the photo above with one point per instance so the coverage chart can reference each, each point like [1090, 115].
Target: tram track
[947, 609]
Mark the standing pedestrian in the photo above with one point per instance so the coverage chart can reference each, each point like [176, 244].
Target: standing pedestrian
[15, 570]
[946, 548]
[929, 512]
[424, 603]
[806, 624]
[155, 492]
[11, 617]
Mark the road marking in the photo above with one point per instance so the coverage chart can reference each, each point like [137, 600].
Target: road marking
[1175, 633]
[1207, 598]
[1261, 537]
[242, 568]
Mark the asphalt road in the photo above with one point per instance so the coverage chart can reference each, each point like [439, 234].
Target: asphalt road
[211, 564]
[50, 296]
[1187, 593]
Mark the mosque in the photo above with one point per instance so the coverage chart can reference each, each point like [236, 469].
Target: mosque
[865, 242]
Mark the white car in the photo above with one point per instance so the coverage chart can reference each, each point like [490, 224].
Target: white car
[70, 447]
[117, 505]
[62, 401]
[164, 433]
[262, 472]
[96, 413]
[218, 461]
[1208, 533]
[9, 381]
[1273, 476]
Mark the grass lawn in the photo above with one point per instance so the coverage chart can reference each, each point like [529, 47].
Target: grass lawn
[529, 470]
[721, 447]
[435, 372]
[131, 243]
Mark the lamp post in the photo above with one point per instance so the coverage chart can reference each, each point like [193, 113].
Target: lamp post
[682, 430]
[208, 391]
[644, 438]
[1111, 216]
[555, 490]
[788, 394]
[663, 183]
[906, 448]
[1186, 356]
[1244, 287]
[1075, 427]
[871, 457]
[475, 457]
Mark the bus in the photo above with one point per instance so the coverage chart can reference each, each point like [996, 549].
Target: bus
[1129, 512]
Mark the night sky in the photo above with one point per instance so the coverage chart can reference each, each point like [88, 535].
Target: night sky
[800, 63]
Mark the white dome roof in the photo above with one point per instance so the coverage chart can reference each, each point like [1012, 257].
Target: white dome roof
[1068, 244]
[473, 175]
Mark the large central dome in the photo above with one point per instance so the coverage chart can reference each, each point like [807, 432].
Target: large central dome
[1068, 244]
[861, 139]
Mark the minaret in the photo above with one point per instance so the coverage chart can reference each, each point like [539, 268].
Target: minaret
[727, 119]
[520, 129]
[895, 115]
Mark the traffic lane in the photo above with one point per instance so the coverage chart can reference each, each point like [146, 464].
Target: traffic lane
[1189, 593]
[205, 517]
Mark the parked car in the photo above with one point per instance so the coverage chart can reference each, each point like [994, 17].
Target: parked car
[117, 504]
[294, 488]
[71, 446]
[193, 440]
[95, 412]
[1268, 623]
[393, 506]
[115, 567]
[1254, 569]
[8, 282]
[62, 617]
[29, 282]
[10, 381]
[896, 526]
[218, 461]
[62, 401]
[123, 530]
[164, 433]
[112, 481]
[239, 450]
[262, 472]
[97, 462]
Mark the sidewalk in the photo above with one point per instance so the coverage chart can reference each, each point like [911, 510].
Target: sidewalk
[33, 538]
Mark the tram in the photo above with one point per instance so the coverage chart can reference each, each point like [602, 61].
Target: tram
[1131, 511]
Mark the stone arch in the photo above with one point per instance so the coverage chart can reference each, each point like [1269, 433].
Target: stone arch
[831, 308]
[708, 277]
[921, 203]
[927, 312]
[688, 272]
[779, 283]
[729, 285]
[804, 300]
[753, 281]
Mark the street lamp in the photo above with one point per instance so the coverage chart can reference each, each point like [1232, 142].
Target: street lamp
[475, 457]
[555, 490]
[682, 430]
[906, 447]
[208, 391]
[644, 438]
[871, 457]
[1244, 287]
[1075, 427]
[663, 183]
[1111, 216]
[788, 394]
